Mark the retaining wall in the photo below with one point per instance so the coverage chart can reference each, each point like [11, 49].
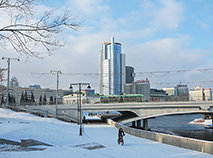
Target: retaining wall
[183, 142]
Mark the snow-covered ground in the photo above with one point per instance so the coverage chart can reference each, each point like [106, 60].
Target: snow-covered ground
[97, 140]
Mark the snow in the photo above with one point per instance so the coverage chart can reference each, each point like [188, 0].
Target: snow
[92, 118]
[97, 140]
[203, 122]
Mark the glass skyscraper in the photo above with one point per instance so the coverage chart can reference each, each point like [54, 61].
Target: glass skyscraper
[112, 68]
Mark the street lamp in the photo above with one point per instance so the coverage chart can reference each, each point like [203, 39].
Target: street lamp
[79, 101]
[8, 75]
[58, 72]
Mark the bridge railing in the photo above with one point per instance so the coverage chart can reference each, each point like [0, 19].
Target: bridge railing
[180, 98]
[46, 111]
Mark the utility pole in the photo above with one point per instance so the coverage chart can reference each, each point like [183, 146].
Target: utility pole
[79, 101]
[8, 75]
[57, 83]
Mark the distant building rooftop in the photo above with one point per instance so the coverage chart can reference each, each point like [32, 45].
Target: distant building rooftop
[35, 86]
[143, 81]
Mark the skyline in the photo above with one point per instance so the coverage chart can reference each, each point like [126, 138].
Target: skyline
[156, 35]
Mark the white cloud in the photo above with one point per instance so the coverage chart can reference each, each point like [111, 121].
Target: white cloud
[88, 8]
[163, 54]
[136, 32]
[169, 14]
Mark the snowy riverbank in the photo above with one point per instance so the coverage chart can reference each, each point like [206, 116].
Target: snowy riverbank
[97, 140]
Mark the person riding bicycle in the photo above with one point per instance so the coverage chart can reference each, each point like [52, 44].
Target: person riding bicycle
[120, 135]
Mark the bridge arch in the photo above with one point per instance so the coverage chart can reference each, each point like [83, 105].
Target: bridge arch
[166, 114]
[127, 114]
[145, 118]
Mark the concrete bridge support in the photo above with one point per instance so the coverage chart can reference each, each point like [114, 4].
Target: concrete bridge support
[133, 124]
[138, 123]
[212, 121]
[145, 124]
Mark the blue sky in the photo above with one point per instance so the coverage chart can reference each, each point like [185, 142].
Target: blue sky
[156, 35]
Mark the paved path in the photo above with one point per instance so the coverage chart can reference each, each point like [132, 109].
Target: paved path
[134, 146]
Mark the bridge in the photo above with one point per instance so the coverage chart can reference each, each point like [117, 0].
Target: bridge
[131, 112]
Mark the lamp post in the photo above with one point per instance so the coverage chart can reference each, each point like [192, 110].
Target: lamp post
[58, 72]
[79, 101]
[8, 75]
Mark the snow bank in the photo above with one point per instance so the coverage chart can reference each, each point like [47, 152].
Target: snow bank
[203, 122]
[97, 140]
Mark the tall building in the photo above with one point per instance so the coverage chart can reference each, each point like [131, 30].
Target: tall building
[112, 68]
[143, 87]
[139, 87]
[130, 88]
[208, 94]
[130, 74]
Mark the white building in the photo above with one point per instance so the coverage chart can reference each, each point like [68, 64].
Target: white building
[200, 94]
[196, 94]
[112, 70]
[170, 91]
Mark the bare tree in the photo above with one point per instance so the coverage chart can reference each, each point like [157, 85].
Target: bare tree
[28, 34]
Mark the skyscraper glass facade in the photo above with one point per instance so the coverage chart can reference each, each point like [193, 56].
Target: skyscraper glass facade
[112, 67]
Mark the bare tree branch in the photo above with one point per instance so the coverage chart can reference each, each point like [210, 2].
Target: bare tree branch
[29, 36]
[2, 71]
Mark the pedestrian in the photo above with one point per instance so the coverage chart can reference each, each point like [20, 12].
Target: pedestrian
[120, 136]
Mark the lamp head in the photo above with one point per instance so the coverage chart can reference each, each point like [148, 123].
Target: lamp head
[89, 87]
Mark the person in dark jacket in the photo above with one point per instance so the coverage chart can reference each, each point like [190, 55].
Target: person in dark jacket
[120, 136]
